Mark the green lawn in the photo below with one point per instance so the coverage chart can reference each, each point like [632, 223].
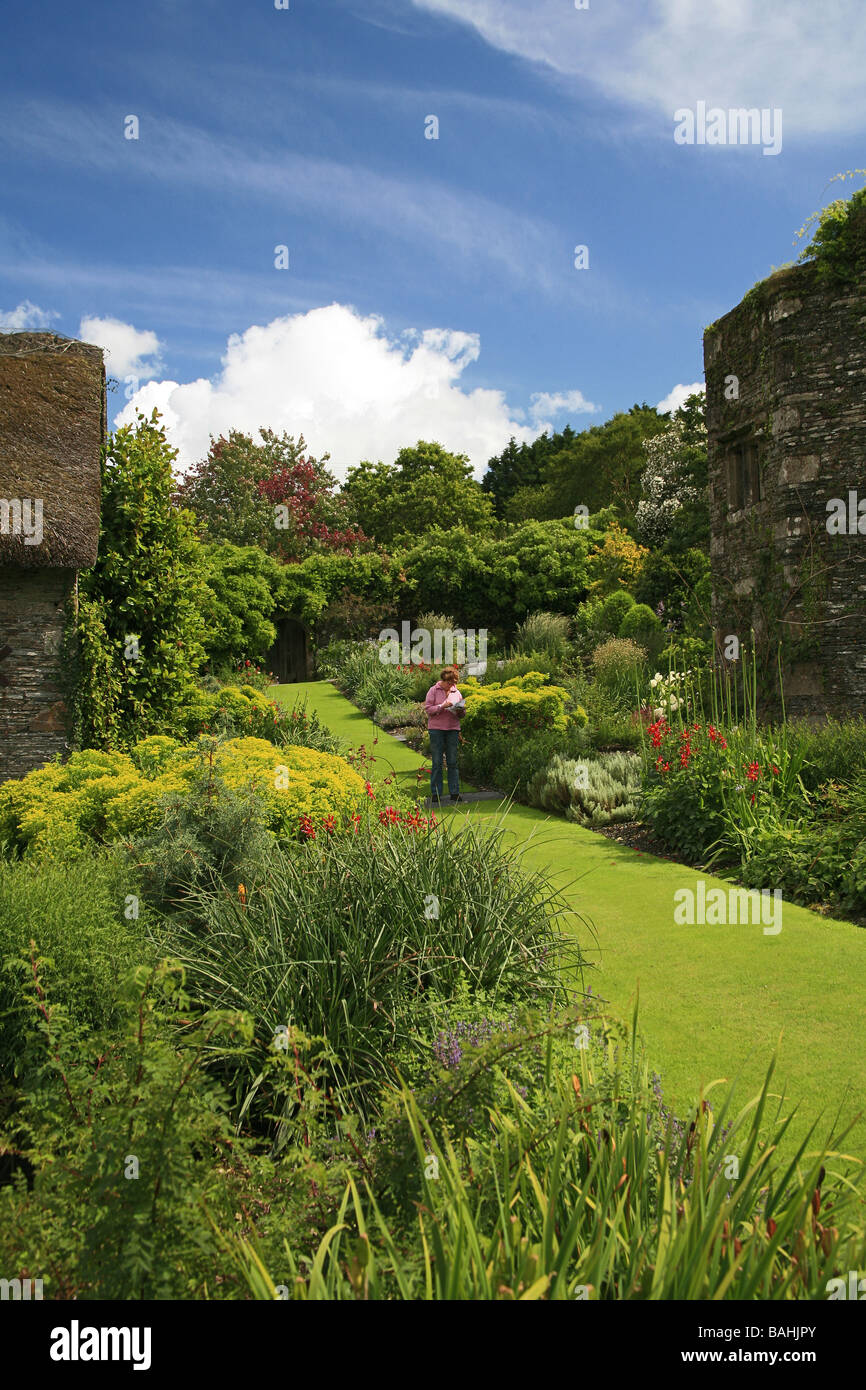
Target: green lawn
[714, 1001]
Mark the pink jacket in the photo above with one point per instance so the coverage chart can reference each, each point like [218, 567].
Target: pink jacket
[441, 713]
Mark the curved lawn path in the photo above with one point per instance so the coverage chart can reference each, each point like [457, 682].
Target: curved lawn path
[714, 1000]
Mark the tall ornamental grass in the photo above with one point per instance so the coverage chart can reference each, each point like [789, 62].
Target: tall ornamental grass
[349, 938]
[571, 1196]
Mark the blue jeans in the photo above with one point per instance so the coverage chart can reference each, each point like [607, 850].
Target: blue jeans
[444, 741]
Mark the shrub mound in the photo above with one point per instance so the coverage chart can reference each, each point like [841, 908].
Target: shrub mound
[60, 809]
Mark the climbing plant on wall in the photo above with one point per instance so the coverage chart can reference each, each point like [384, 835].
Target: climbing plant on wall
[139, 617]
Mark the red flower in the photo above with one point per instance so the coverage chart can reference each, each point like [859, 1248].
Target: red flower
[369, 790]
[753, 771]
[775, 770]
[307, 828]
[723, 742]
[329, 823]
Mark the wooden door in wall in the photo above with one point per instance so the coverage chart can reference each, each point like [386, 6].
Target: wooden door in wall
[288, 658]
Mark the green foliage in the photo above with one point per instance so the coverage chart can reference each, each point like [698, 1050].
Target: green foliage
[594, 792]
[59, 810]
[838, 245]
[234, 492]
[641, 626]
[678, 584]
[140, 646]
[425, 487]
[212, 834]
[515, 666]
[348, 938]
[238, 603]
[85, 917]
[589, 1189]
[598, 467]
[711, 789]
[525, 703]
[833, 751]
[492, 583]
[401, 715]
[543, 632]
[598, 619]
[495, 758]
[384, 684]
[618, 664]
[244, 711]
[128, 1127]
[819, 859]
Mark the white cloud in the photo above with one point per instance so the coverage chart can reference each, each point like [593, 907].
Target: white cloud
[678, 395]
[340, 380]
[27, 317]
[663, 54]
[128, 351]
[556, 403]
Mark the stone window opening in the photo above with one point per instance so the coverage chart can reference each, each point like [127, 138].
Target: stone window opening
[744, 476]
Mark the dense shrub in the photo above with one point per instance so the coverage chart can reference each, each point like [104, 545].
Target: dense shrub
[833, 751]
[143, 598]
[401, 716]
[358, 662]
[594, 792]
[618, 664]
[598, 619]
[496, 758]
[708, 789]
[85, 919]
[523, 704]
[60, 810]
[384, 684]
[643, 627]
[584, 1188]
[349, 938]
[138, 1172]
[543, 632]
[238, 603]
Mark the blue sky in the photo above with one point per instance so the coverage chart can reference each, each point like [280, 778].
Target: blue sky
[431, 289]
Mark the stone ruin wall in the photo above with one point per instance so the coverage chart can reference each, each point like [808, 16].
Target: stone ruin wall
[34, 604]
[797, 347]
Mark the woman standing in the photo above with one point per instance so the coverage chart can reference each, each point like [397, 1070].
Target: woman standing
[445, 709]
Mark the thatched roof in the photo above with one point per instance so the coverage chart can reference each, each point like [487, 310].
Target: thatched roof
[52, 426]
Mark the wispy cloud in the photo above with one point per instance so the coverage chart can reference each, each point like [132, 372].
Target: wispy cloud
[476, 230]
[658, 55]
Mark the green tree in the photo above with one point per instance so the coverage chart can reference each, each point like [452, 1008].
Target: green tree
[493, 582]
[143, 597]
[513, 477]
[600, 466]
[235, 490]
[425, 487]
[242, 582]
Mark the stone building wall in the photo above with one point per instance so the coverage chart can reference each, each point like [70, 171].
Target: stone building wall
[33, 608]
[786, 420]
